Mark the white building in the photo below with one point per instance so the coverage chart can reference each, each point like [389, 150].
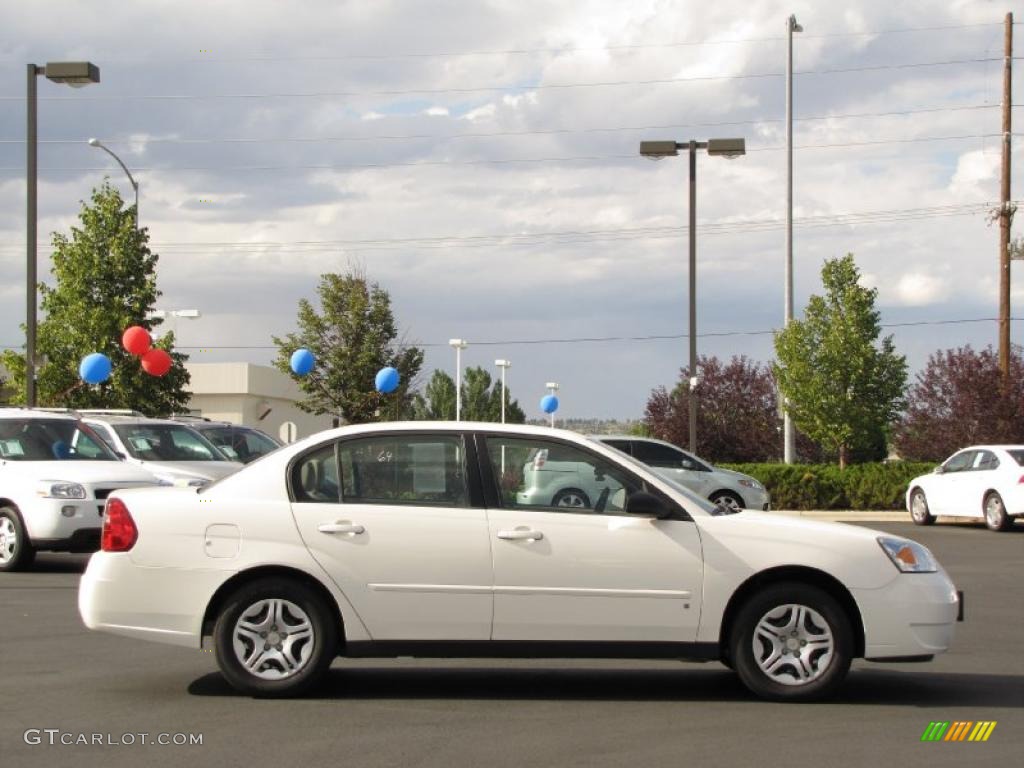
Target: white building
[254, 395]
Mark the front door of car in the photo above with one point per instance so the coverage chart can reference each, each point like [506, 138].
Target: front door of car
[951, 487]
[398, 533]
[588, 574]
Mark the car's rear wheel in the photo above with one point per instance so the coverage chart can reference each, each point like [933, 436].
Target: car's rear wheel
[919, 508]
[792, 642]
[274, 638]
[995, 513]
[571, 497]
[729, 501]
[16, 551]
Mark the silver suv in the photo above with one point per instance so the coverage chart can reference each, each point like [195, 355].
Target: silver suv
[174, 452]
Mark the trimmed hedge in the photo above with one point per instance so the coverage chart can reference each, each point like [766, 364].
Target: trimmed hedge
[824, 486]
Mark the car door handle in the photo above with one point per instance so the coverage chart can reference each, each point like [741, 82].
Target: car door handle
[521, 533]
[340, 528]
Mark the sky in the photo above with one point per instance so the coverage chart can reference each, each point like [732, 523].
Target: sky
[479, 160]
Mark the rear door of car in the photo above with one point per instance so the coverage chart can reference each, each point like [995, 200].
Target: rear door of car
[398, 523]
[586, 574]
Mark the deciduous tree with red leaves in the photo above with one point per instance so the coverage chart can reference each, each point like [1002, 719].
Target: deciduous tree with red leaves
[737, 416]
[958, 400]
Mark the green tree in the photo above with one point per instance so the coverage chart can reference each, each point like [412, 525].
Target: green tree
[843, 390]
[353, 337]
[104, 281]
[480, 400]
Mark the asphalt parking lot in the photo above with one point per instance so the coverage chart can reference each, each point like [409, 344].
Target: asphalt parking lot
[57, 675]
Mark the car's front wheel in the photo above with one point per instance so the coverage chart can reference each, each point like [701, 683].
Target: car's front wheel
[16, 551]
[274, 638]
[995, 513]
[728, 501]
[792, 642]
[919, 508]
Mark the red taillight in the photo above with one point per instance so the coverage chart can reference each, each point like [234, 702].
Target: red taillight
[1021, 481]
[119, 531]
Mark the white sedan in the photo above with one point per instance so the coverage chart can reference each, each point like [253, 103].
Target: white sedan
[413, 539]
[984, 481]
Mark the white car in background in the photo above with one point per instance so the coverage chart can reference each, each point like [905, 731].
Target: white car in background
[732, 490]
[983, 482]
[413, 539]
[174, 452]
[55, 477]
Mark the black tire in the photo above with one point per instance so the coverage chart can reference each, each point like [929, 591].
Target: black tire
[16, 551]
[825, 674]
[727, 499]
[919, 512]
[571, 497]
[323, 640]
[995, 513]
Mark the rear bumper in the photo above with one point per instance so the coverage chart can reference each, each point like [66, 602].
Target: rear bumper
[165, 605]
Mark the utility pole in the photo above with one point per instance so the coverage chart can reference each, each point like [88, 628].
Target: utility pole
[1005, 212]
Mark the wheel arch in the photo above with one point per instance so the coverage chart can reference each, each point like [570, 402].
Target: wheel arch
[264, 571]
[798, 573]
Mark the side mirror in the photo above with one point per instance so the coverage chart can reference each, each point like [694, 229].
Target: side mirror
[641, 503]
[939, 470]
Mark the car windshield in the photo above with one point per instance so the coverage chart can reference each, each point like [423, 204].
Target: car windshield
[50, 440]
[240, 444]
[703, 504]
[166, 442]
[1017, 454]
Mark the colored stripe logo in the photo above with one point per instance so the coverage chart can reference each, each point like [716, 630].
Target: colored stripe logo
[958, 730]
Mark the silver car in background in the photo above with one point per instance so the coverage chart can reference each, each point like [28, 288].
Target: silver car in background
[729, 489]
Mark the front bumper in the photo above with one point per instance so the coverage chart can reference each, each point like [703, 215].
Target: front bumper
[55, 523]
[913, 615]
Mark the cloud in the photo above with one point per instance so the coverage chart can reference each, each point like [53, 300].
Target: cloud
[917, 289]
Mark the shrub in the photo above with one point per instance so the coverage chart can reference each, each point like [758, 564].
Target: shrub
[825, 486]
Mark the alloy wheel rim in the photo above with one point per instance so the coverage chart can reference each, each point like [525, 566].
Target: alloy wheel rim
[571, 500]
[8, 540]
[729, 503]
[273, 639]
[917, 508]
[993, 510]
[793, 645]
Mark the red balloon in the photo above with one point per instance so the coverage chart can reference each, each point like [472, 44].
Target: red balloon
[156, 362]
[136, 340]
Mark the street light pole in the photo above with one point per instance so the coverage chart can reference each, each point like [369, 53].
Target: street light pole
[135, 185]
[728, 148]
[75, 74]
[504, 365]
[459, 345]
[553, 387]
[789, 435]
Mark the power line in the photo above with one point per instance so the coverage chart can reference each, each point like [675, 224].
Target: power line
[500, 88]
[602, 339]
[494, 134]
[548, 50]
[497, 161]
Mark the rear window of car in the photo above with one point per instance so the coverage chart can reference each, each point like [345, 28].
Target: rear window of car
[1018, 456]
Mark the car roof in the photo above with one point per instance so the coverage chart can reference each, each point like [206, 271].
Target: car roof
[636, 438]
[1007, 447]
[19, 412]
[114, 418]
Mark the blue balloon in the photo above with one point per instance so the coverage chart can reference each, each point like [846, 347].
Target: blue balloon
[94, 368]
[302, 361]
[387, 380]
[549, 403]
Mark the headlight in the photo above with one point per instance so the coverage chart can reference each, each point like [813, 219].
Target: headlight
[55, 489]
[751, 483]
[908, 556]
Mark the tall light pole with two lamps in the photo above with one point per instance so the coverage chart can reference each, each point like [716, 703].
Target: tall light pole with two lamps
[729, 148]
[458, 345]
[76, 74]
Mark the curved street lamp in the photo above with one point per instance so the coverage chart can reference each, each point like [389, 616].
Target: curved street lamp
[135, 185]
